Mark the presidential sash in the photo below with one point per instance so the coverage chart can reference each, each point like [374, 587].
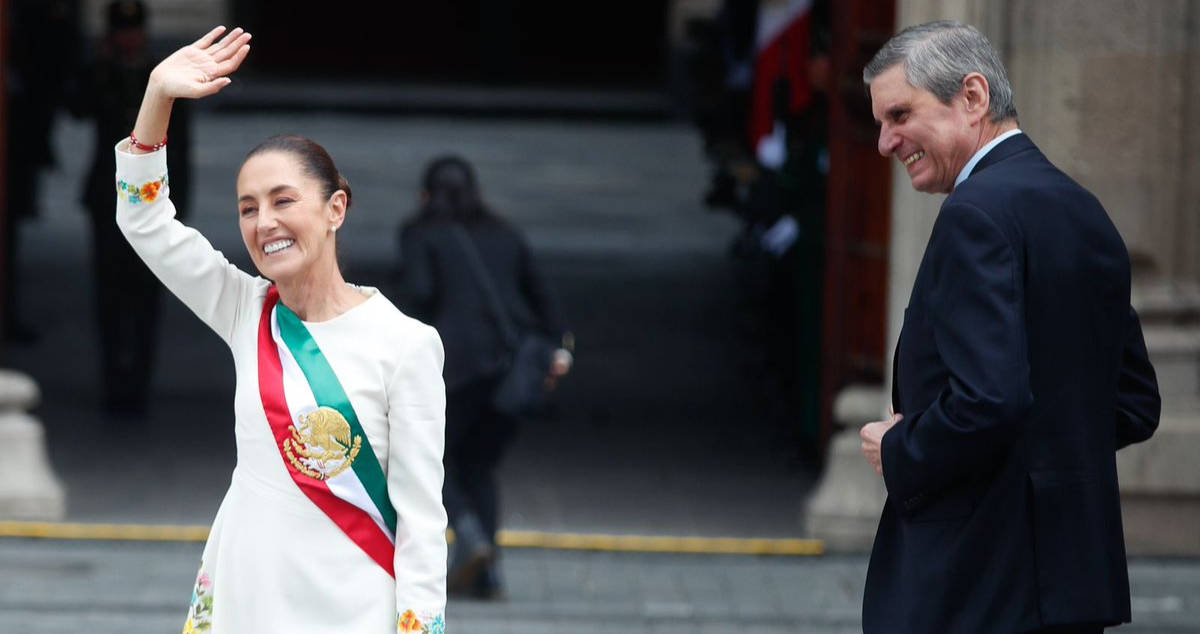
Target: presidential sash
[318, 434]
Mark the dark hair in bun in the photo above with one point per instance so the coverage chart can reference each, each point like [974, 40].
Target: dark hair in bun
[313, 158]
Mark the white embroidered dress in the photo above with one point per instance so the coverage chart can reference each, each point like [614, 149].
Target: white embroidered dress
[274, 562]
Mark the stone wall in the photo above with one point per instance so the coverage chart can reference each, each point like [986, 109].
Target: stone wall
[1105, 89]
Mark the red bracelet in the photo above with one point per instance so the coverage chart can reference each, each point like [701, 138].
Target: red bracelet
[147, 148]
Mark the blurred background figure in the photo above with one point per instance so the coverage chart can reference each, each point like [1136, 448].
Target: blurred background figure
[460, 265]
[38, 71]
[127, 296]
[759, 71]
[720, 71]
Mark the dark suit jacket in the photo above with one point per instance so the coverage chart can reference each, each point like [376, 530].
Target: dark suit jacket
[1020, 370]
[439, 287]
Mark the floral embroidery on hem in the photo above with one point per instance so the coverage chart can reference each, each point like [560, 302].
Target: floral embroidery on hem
[199, 617]
[144, 193]
[409, 622]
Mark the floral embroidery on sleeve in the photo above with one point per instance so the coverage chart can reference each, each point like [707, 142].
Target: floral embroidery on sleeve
[409, 622]
[135, 194]
[199, 617]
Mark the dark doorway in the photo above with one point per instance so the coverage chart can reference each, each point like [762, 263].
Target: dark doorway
[533, 41]
[858, 229]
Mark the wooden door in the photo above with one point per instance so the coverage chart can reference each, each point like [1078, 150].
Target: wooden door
[523, 41]
[856, 258]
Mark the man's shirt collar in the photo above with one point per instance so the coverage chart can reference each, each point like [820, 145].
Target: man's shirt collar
[966, 170]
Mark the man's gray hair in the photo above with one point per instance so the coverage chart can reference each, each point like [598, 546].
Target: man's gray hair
[938, 55]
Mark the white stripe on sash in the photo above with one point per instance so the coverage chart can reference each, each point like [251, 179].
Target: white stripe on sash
[300, 400]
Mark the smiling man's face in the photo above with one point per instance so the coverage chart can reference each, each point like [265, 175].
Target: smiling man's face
[933, 140]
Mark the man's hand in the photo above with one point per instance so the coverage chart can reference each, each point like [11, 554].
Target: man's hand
[872, 437]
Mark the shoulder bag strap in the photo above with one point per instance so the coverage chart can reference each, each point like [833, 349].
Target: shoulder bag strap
[507, 329]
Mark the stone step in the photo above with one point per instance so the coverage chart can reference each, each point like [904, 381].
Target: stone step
[1166, 464]
[1160, 484]
[1175, 353]
[183, 20]
[1161, 525]
[1167, 302]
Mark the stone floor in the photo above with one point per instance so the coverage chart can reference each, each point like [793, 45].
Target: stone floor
[135, 588]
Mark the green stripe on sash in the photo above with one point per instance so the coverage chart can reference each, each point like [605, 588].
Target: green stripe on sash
[329, 393]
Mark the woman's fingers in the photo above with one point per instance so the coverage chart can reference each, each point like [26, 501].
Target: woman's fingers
[212, 87]
[227, 40]
[227, 51]
[209, 37]
[200, 69]
[228, 66]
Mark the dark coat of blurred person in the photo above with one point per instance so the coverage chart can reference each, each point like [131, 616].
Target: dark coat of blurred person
[440, 286]
[127, 293]
[41, 55]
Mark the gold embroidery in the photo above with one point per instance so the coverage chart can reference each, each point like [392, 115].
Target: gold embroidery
[322, 443]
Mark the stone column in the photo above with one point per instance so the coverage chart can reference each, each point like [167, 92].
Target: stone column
[28, 488]
[844, 509]
[1103, 87]
[1111, 93]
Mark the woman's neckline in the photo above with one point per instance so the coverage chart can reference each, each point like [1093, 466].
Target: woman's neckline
[369, 293]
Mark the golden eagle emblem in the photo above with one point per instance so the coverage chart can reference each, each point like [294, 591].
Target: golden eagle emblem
[320, 446]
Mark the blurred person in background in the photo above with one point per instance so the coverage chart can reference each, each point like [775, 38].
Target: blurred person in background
[471, 275]
[41, 56]
[333, 521]
[761, 72]
[721, 72]
[127, 294]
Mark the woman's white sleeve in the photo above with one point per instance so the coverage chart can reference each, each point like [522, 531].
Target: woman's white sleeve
[417, 437]
[178, 255]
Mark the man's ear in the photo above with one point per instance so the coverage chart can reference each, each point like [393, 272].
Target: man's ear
[976, 96]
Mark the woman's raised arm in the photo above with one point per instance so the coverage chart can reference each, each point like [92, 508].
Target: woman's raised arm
[197, 70]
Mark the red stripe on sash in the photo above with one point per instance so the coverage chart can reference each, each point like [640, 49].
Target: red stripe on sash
[353, 521]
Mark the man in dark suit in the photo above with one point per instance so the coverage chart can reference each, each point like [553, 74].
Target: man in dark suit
[1019, 372]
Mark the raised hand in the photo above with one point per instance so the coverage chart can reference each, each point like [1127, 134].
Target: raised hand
[197, 70]
[201, 68]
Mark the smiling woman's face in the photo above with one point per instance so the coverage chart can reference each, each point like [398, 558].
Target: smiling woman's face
[286, 221]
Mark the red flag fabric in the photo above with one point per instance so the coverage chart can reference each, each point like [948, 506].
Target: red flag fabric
[781, 51]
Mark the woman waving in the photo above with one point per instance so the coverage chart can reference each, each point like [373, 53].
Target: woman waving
[333, 520]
